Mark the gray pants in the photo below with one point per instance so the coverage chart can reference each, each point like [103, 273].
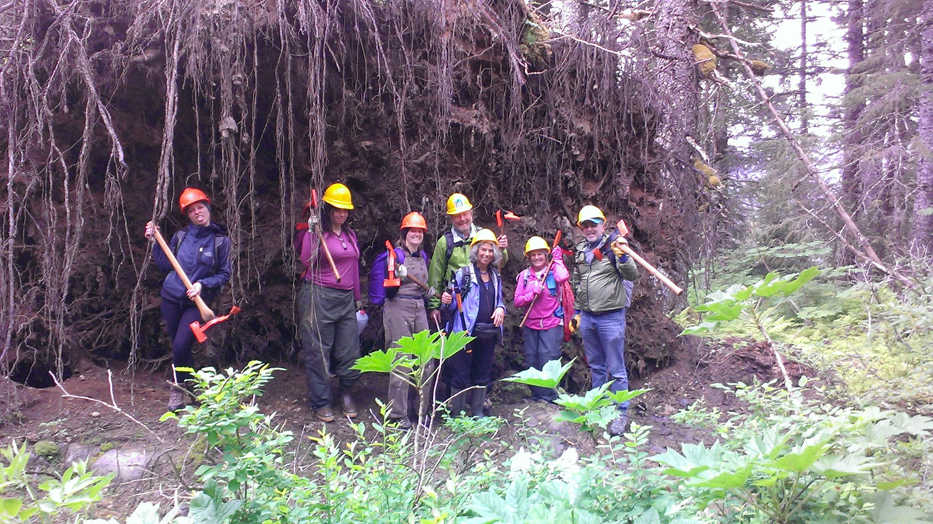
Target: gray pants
[329, 339]
[403, 317]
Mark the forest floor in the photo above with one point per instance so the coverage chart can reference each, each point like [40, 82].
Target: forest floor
[86, 428]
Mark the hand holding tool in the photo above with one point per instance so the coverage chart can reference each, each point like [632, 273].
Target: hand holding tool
[624, 247]
[320, 235]
[542, 279]
[206, 313]
[199, 330]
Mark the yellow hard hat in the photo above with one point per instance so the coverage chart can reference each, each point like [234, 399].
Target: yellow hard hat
[338, 195]
[484, 235]
[458, 203]
[590, 213]
[535, 243]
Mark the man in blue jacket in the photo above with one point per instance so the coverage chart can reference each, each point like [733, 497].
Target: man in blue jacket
[203, 251]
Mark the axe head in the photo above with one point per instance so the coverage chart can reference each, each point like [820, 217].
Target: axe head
[313, 198]
[200, 331]
[511, 216]
[499, 218]
[623, 229]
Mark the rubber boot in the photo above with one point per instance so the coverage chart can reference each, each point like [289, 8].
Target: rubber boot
[458, 402]
[477, 399]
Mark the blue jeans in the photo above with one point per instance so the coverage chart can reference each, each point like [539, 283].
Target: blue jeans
[604, 346]
[542, 345]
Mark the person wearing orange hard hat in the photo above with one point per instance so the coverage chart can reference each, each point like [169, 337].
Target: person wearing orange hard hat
[402, 292]
[203, 251]
[328, 302]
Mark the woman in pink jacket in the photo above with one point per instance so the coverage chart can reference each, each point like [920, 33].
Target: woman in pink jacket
[543, 329]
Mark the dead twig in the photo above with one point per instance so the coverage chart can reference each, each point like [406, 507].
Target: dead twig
[112, 405]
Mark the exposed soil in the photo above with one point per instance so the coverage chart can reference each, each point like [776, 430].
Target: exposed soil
[43, 414]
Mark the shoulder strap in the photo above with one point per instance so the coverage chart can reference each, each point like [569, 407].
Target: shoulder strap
[180, 236]
[449, 237]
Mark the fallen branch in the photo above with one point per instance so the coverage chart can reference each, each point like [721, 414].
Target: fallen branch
[113, 402]
[867, 251]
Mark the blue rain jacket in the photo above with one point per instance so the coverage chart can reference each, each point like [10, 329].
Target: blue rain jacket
[196, 254]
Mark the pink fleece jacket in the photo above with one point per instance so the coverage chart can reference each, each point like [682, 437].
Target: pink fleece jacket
[529, 285]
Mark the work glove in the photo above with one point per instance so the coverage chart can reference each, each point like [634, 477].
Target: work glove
[575, 323]
[557, 253]
[313, 221]
[617, 246]
[401, 271]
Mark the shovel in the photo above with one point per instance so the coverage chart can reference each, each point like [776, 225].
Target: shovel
[206, 313]
[623, 231]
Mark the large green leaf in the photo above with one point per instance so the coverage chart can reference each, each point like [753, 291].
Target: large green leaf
[547, 377]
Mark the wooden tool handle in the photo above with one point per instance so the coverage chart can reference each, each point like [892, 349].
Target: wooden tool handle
[651, 269]
[206, 313]
[327, 255]
[543, 278]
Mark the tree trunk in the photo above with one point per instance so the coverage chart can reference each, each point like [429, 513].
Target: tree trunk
[802, 98]
[923, 206]
[851, 186]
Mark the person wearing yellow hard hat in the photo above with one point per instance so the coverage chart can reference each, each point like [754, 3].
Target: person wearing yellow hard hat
[539, 288]
[402, 296]
[602, 284]
[328, 302]
[203, 251]
[452, 249]
[475, 306]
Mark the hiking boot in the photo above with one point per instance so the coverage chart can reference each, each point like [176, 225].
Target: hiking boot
[324, 414]
[477, 402]
[176, 399]
[349, 408]
[619, 426]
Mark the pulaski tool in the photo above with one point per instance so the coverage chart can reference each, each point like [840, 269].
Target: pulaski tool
[206, 313]
[623, 232]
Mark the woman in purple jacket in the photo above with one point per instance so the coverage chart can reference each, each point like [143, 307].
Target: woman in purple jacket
[327, 305]
[543, 329]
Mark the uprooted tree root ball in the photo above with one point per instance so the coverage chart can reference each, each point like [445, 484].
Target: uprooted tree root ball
[110, 108]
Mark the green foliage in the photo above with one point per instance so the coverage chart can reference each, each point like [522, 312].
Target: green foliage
[593, 410]
[74, 492]
[728, 305]
[792, 460]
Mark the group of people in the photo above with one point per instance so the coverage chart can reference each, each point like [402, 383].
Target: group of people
[457, 288]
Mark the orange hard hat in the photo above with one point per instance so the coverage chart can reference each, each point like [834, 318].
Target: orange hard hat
[191, 195]
[414, 219]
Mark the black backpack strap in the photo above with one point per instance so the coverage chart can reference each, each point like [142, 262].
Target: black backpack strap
[449, 236]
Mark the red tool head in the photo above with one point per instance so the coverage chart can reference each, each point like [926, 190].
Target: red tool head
[199, 330]
[499, 218]
[314, 198]
[623, 229]
[391, 280]
[508, 215]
